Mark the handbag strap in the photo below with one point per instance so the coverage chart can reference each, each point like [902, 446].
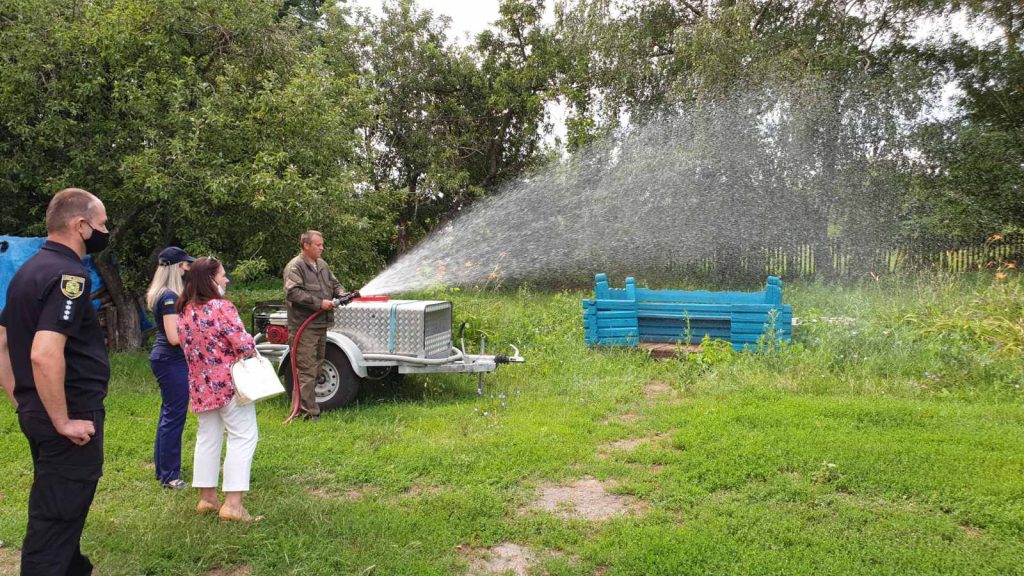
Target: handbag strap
[240, 360]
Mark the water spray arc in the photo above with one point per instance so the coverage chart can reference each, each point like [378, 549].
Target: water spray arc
[724, 180]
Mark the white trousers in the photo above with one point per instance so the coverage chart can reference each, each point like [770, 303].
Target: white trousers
[240, 423]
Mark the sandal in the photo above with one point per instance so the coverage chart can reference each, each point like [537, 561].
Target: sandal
[176, 484]
[233, 516]
[205, 507]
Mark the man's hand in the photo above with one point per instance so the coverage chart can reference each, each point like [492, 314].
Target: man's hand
[78, 431]
[326, 305]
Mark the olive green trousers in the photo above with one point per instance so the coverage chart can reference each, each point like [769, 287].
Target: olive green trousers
[309, 357]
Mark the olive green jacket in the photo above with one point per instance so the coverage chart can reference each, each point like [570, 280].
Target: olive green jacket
[305, 286]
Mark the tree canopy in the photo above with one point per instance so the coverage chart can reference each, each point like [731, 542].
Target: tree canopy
[229, 127]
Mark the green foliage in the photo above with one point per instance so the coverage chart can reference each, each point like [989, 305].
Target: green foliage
[208, 124]
[948, 336]
[974, 182]
[249, 270]
[452, 122]
[975, 160]
[989, 321]
[713, 353]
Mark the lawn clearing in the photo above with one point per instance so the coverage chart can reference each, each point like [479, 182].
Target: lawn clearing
[875, 444]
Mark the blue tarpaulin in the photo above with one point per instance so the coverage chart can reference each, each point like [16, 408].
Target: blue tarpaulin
[15, 251]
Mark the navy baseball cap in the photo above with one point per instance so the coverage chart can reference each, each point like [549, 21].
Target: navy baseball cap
[174, 255]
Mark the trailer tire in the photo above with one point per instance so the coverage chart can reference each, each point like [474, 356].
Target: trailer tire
[337, 385]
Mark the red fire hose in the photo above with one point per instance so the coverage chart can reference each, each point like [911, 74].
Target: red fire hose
[296, 385]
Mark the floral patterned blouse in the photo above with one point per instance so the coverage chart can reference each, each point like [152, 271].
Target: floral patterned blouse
[213, 338]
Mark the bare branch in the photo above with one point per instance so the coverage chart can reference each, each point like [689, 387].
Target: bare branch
[696, 11]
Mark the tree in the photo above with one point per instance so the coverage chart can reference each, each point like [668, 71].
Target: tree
[415, 139]
[973, 180]
[218, 125]
[451, 123]
[518, 60]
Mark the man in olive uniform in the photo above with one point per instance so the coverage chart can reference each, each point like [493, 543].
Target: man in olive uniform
[54, 369]
[310, 286]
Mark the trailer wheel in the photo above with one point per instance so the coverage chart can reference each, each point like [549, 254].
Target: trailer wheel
[337, 384]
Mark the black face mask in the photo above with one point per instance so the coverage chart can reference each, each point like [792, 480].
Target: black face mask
[97, 242]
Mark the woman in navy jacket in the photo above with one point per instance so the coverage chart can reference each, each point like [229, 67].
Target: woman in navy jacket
[168, 364]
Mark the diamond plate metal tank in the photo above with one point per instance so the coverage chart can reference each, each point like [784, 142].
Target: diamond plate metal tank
[420, 328]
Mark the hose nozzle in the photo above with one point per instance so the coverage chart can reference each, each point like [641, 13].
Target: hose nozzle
[344, 299]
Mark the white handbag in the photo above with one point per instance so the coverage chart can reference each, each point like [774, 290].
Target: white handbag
[255, 379]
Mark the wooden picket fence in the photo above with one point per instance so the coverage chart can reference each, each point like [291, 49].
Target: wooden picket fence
[844, 261]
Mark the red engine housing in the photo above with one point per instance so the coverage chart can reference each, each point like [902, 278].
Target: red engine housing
[277, 334]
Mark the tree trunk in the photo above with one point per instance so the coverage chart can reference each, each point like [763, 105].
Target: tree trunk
[496, 148]
[123, 326]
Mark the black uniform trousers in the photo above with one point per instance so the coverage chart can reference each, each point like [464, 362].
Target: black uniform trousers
[62, 491]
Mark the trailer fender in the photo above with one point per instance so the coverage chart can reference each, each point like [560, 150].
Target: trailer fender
[355, 356]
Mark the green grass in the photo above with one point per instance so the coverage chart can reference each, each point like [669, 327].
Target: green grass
[886, 439]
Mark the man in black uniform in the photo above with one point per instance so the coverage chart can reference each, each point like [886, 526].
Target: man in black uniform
[54, 369]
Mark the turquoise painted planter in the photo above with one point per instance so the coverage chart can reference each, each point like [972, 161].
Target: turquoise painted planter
[630, 315]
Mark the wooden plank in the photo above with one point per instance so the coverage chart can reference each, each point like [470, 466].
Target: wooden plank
[665, 330]
[681, 325]
[699, 296]
[612, 314]
[698, 322]
[600, 286]
[615, 305]
[752, 308]
[684, 308]
[670, 339]
[603, 333]
[747, 336]
[663, 339]
[622, 341]
[683, 316]
[749, 326]
[616, 323]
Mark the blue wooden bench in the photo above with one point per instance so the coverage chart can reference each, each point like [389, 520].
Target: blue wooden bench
[630, 315]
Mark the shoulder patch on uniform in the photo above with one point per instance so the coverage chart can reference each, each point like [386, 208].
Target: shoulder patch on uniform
[72, 286]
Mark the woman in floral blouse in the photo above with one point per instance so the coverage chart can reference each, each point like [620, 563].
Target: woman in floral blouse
[213, 338]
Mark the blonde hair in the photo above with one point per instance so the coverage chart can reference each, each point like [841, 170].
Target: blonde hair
[165, 278]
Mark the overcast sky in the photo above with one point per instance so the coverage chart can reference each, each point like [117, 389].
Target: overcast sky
[467, 16]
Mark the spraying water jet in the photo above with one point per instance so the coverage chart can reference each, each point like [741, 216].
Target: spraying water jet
[711, 186]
